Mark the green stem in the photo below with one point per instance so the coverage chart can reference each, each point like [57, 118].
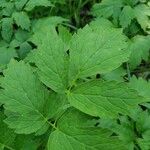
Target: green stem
[7, 147]
[77, 13]
[84, 3]
[69, 25]
[128, 71]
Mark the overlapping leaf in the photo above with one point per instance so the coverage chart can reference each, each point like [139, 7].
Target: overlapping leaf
[104, 99]
[126, 16]
[74, 132]
[51, 59]
[7, 29]
[107, 8]
[26, 98]
[139, 47]
[35, 3]
[22, 20]
[142, 13]
[7, 136]
[125, 10]
[6, 54]
[99, 49]
[138, 83]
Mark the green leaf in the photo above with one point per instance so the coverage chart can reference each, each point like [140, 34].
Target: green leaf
[20, 4]
[8, 8]
[144, 143]
[116, 75]
[138, 83]
[104, 51]
[47, 22]
[26, 142]
[139, 47]
[7, 136]
[7, 29]
[74, 132]
[131, 2]
[56, 105]
[35, 3]
[65, 35]
[101, 22]
[25, 48]
[58, 1]
[104, 99]
[22, 35]
[51, 59]
[126, 16]
[122, 127]
[25, 97]
[142, 119]
[22, 20]
[6, 54]
[106, 8]
[142, 13]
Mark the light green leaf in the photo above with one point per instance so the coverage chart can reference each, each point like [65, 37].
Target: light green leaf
[73, 132]
[139, 47]
[35, 3]
[7, 29]
[126, 16]
[47, 22]
[58, 1]
[25, 97]
[22, 20]
[131, 2]
[144, 143]
[97, 50]
[106, 8]
[104, 99]
[100, 23]
[56, 105]
[122, 127]
[116, 75]
[8, 8]
[65, 35]
[138, 83]
[51, 59]
[142, 13]
[20, 4]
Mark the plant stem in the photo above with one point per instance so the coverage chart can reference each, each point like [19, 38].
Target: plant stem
[128, 71]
